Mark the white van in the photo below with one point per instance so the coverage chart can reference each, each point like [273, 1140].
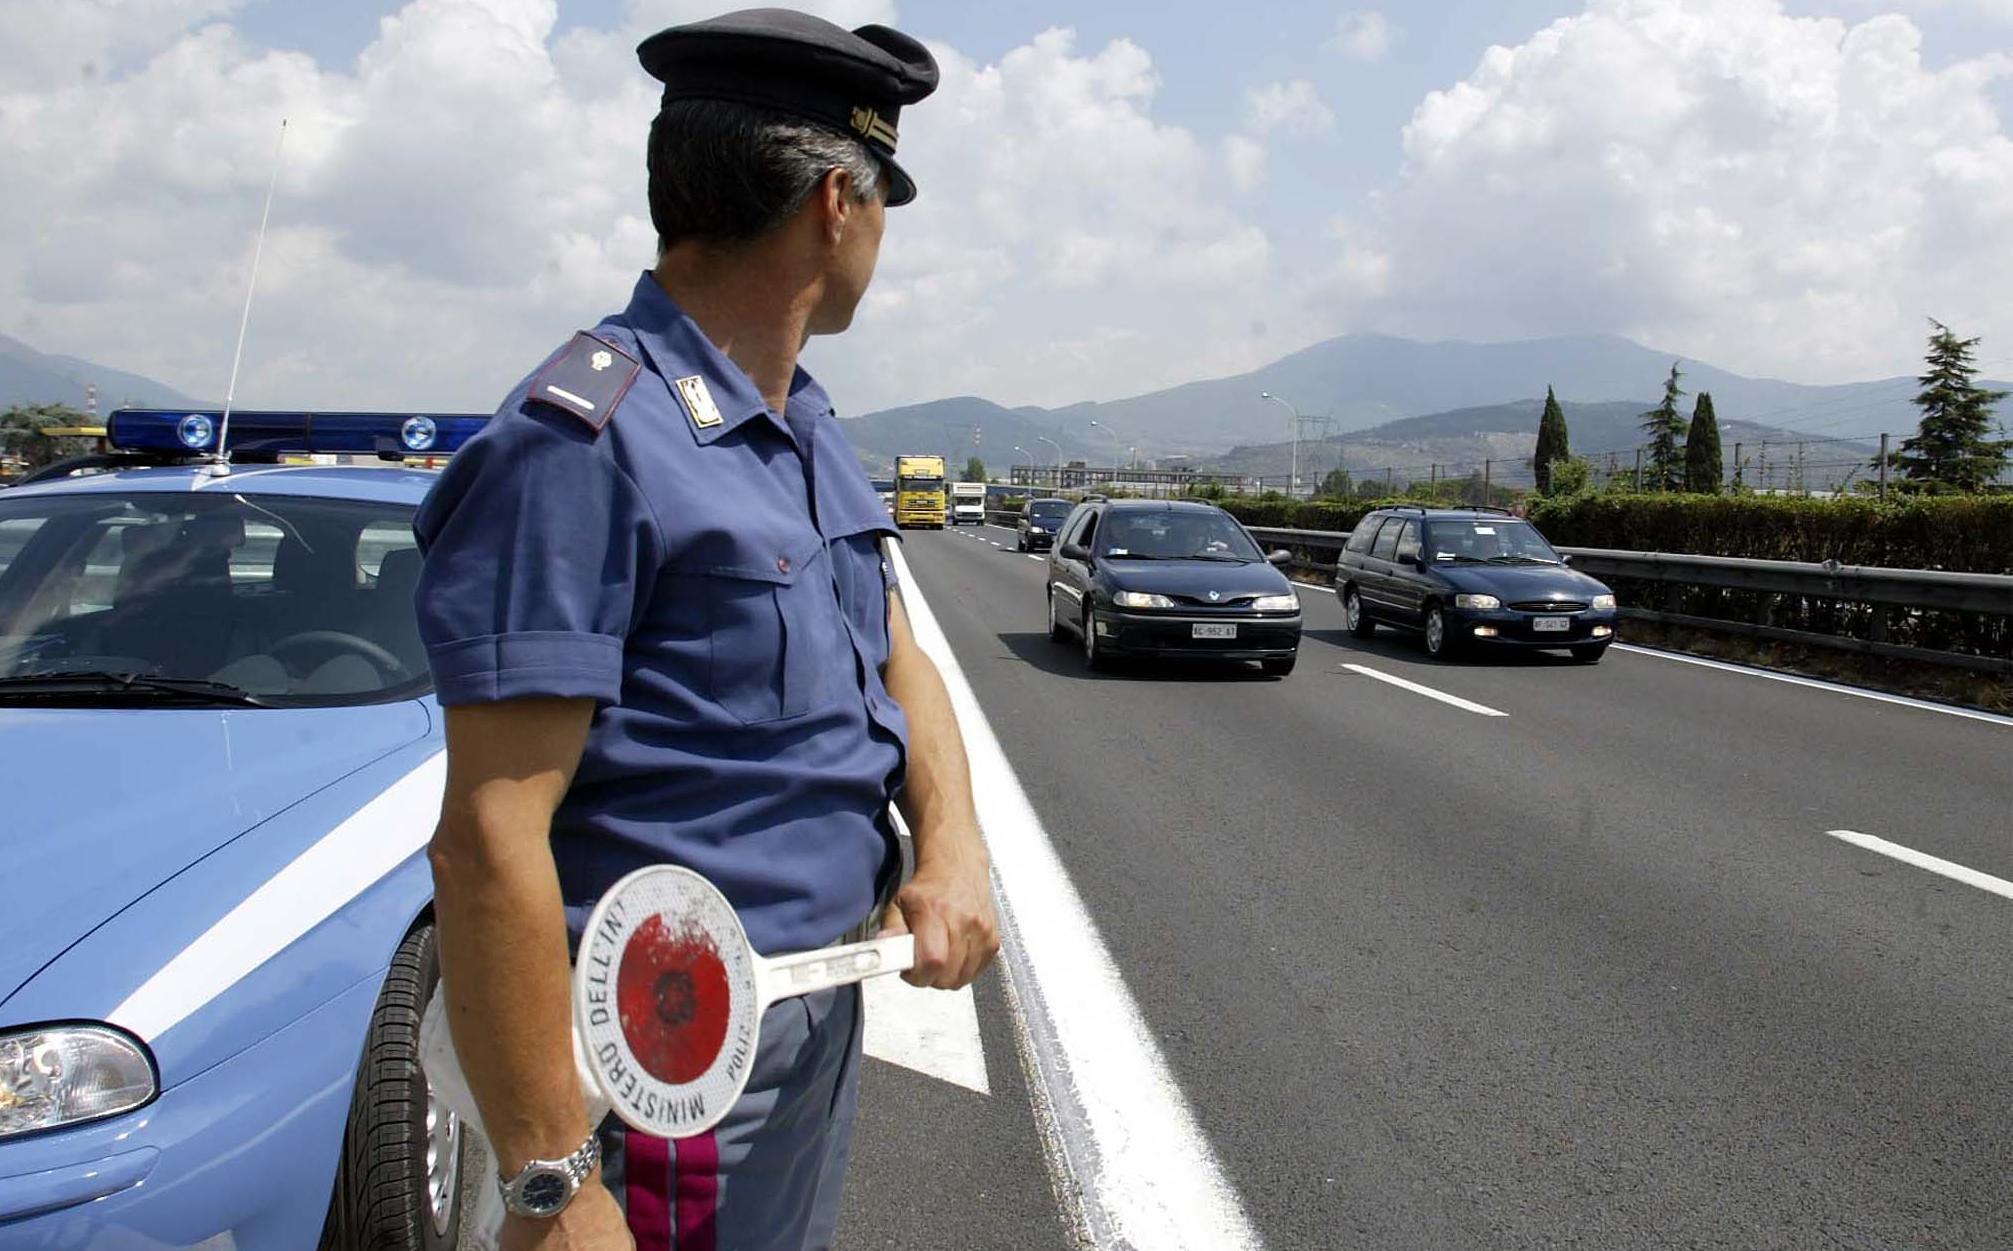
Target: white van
[968, 503]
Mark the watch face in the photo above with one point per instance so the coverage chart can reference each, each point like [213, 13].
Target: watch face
[544, 1193]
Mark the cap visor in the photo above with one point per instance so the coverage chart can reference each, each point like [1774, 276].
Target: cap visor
[901, 187]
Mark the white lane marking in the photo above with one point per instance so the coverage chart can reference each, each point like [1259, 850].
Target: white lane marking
[932, 1032]
[363, 847]
[1310, 586]
[1973, 714]
[1032, 556]
[994, 542]
[1428, 692]
[1123, 1145]
[1923, 860]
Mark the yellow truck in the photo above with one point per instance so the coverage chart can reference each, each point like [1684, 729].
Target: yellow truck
[919, 491]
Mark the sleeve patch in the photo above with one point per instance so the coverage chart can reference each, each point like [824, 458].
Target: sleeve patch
[587, 379]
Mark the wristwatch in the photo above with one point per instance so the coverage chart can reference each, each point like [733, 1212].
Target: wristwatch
[543, 1188]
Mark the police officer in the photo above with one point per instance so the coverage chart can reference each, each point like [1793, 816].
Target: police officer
[659, 618]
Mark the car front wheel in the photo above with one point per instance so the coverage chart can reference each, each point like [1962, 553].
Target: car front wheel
[1354, 617]
[1439, 640]
[1056, 630]
[1093, 653]
[398, 1183]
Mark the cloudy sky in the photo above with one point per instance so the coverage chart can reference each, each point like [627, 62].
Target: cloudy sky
[1116, 196]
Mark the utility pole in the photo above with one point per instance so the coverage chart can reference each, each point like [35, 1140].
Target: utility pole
[1883, 467]
[1488, 476]
[1639, 470]
[1293, 482]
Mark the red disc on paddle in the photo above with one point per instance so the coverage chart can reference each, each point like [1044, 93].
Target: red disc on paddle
[673, 997]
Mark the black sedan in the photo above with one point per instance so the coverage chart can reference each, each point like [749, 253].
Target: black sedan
[1038, 524]
[1470, 578]
[1169, 578]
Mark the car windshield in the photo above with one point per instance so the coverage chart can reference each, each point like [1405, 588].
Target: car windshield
[1173, 535]
[1051, 514]
[115, 599]
[1504, 541]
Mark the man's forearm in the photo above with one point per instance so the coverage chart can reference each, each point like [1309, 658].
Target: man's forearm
[502, 931]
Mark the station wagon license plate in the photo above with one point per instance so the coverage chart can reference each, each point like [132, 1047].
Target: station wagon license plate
[1551, 625]
[1200, 631]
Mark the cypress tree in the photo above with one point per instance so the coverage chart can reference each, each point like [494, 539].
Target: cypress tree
[1663, 466]
[1951, 446]
[1552, 446]
[1702, 467]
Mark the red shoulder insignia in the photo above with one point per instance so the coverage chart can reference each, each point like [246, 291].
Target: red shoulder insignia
[588, 379]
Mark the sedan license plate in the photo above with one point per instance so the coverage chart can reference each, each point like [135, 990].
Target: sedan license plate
[1213, 631]
[1551, 625]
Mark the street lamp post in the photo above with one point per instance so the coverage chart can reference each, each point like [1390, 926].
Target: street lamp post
[1293, 482]
[1058, 458]
[1117, 450]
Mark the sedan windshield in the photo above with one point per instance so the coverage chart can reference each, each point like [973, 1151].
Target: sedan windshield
[1175, 536]
[1050, 515]
[117, 600]
[1505, 542]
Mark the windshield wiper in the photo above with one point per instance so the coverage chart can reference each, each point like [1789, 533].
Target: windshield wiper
[1235, 560]
[69, 683]
[1520, 559]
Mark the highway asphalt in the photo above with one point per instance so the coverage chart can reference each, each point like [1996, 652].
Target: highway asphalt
[1592, 973]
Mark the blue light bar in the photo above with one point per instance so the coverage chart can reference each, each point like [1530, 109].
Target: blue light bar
[184, 432]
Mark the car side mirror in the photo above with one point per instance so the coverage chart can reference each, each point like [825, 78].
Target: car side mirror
[1565, 559]
[1073, 551]
[1280, 557]
[1416, 562]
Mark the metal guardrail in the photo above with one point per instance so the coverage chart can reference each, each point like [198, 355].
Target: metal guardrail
[1885, 590]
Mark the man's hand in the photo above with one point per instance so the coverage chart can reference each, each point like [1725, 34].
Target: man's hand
[592, 1222]
[948, 906]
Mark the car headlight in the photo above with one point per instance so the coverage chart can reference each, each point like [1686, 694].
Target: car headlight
[1141, 599]
[1036, 530]
[64, 1074]
[1276, 603]
[1477, 601]
[1604, 603]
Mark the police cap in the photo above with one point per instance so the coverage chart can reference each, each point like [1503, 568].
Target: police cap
[854, 82]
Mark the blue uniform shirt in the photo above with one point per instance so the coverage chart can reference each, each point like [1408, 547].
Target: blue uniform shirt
[710, 574]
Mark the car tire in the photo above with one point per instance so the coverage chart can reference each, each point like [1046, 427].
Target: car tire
[399, 1180]
[1279, 668]
[1439, 640]
[1591, 653]
[1359, 622]
[1057, 632]
[1020, 542]
[1094, 656]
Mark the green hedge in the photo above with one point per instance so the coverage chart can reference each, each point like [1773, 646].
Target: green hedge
[1971, 533]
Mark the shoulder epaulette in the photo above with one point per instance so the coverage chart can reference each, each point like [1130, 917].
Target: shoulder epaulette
[587, 379]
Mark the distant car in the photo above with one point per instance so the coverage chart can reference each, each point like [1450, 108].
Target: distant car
[1038, 524]
[1470, 578]
[224, 763]
[1169, 578]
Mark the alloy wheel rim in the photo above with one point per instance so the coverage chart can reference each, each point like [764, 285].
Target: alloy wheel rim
[443, 1163]
[1436, 631]
[1352, 610]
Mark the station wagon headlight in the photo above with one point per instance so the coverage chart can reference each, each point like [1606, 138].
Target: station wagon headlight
[63, 1074]
[1141, 599]
[1477, 601]
[1604, 603]
[1276, 603]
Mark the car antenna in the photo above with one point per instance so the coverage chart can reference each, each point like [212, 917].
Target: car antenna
[220, 461]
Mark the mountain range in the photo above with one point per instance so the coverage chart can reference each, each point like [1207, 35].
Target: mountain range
[1360, 382]
[31, 377]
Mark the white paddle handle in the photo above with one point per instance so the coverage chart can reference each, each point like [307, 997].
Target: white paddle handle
[784, 977]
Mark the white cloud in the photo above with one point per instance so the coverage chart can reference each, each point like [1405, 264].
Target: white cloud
[1294, 107]
[1363, 35]
[1244, 157]
[1779, 194]
[470, 189]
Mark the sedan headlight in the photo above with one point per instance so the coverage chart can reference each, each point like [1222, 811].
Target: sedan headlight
[1604, 603]
[1036, 530]
[1276, 603]
[1477, 601]
[1141, 599]
[64, 1074]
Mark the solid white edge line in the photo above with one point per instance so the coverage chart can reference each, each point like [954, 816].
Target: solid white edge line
[369, 843]
[932, 1032]
[1923, 860]
[1414, 687]
[1797, 679]
[1125, 1153]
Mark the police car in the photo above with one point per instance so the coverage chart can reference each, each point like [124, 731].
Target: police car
[224, 765]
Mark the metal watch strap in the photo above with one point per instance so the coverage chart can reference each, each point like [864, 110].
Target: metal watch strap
[576, 1168]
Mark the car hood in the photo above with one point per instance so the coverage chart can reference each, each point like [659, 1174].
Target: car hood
[110, 803]
[1522, 582]
[1195, 577]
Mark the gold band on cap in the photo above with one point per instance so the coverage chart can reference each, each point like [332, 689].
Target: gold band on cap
[870, 125]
